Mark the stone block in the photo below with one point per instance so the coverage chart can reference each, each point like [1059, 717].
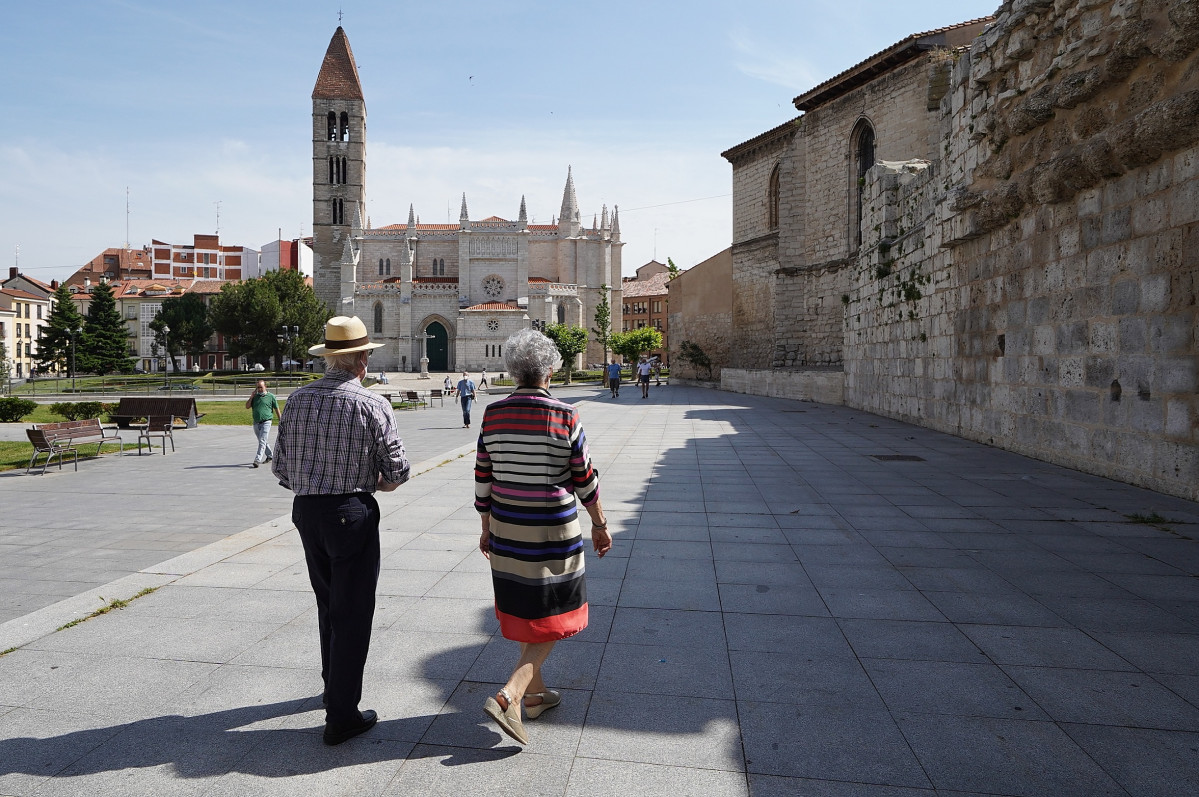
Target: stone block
[1178, 375]
[1125, 299]
[1099, 372]
[1070, 372]
[1133, 335]
[1102, 337]
[1173, 334]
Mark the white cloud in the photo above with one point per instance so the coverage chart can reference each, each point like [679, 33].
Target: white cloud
[764, 61]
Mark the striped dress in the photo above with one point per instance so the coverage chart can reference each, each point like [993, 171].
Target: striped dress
[532, 462]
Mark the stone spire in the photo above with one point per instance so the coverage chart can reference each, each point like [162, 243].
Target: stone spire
[464, 216]
[568, 218]
[338, 78]
[594, 223]
[604, 219]
[616, 222]
[411, 219]
[523, 218]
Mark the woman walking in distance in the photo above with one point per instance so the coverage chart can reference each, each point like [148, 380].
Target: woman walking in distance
[532, 464]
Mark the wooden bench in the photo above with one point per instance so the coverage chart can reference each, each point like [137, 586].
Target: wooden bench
[160, 426]
[73, 433]
[131, 408]
[45, 444]
[436, 394]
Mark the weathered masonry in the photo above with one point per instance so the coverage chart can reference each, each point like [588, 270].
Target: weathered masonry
[992, 229]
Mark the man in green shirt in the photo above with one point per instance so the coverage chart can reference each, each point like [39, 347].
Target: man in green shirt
[265, 408]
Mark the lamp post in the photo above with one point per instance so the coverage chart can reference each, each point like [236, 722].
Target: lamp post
[166, 357]
[74, 334]
[287, 338]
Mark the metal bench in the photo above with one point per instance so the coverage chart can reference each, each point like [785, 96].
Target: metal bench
[44, 444]
[159, 426]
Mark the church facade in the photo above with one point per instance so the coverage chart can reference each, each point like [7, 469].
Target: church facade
[451, 292]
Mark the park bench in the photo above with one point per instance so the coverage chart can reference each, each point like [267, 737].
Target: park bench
[159, 426]
[131, 408]
[45, 444]
[73, 433]
[436, 394]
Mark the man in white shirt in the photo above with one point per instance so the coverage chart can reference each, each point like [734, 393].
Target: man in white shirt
[643, 369]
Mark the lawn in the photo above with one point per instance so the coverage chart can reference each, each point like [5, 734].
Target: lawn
[16, 455]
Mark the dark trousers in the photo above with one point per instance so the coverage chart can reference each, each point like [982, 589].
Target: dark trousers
[467, 401]
[341, 545]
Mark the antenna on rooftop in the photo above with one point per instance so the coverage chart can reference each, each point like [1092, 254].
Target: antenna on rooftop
[126, 217]
[218, 217]
[17, 258]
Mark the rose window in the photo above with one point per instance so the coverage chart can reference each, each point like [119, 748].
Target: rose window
[493, 286]
[493, 325]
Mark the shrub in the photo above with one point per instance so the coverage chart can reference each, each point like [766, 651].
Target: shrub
[77, 410]
[13, 409]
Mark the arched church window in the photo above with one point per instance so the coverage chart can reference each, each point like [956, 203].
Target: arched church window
[331, 132]
[561, 313]
[861, 159]
[378, 318]
[441, 267]
[380, 267]
[345, 127]
[389, 266]
[338, 212]
[772, 200]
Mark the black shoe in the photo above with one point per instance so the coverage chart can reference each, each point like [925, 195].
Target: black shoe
[337, 734]
[268, 459]
[253, 464]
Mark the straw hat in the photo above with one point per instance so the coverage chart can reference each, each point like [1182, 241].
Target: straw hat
[344, 336]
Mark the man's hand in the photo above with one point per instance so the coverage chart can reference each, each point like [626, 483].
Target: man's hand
[386, 486]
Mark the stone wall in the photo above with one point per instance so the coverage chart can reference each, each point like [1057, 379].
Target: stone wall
[701, 312]
[1035, 287]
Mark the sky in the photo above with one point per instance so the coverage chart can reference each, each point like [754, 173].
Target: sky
[197, 115]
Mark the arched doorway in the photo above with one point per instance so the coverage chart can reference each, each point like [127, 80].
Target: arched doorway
[438, 349]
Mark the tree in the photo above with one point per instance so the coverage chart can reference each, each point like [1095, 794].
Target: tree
[104, 346]
[632, 344]
[690, 352]
[54, 345]
[250, 314]
[672, 269]
[571, 342]
[187, 318]
[603, 321]
[5, 368]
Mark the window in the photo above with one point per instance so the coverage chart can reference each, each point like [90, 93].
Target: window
[337, 171]
[18, 326]
[27, 331]
[389, 266]
[561, 313]
[378, 318]
[331, 132]
[27, 311]
[345, 126]
[862, 158]
[380, 268]
[28, 349]
[39, 312]
[772, 200]
[441, 267]
[339, 212]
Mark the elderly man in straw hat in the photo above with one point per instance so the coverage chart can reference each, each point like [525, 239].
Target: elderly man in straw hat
[337, 445]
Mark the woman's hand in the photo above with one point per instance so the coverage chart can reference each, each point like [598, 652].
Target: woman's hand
[601, 541]
[485, 542]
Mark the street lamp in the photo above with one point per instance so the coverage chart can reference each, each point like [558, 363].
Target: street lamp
[287, 338]
[74, 334]
[166, 357]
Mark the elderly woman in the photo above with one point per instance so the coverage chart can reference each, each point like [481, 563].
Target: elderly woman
[532, 464]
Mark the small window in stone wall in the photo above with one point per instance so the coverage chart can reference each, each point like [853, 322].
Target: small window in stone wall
[772, 200]
[862, 157]
[389, 266]
[378, 318]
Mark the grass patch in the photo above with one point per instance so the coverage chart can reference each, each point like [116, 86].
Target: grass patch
[1158, 522]
[14, 454]
[116, 603]
[6, 652]
[227, 413]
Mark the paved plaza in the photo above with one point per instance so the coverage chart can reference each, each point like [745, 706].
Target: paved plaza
[801, 600]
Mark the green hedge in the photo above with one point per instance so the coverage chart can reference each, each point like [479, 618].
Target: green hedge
[13, 409]
[79, 410]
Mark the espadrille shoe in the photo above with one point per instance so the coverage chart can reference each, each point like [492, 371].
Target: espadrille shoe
[549, 699]
[507, 716]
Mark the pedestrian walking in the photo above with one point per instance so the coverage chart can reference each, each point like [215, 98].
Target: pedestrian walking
[531, 466]
[264, 407]
[614, 378]
[466, 395]
[337, 445]
[483, 379]
[643, 369]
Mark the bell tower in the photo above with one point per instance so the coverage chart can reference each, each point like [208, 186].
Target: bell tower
[338, 167]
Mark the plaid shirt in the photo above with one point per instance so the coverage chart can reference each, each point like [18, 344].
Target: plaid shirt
[337, 437]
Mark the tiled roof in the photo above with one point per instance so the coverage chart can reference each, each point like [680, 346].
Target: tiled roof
[437, 280]
[493, 306]
[539, 279]
[654, 286]
[496, 218]
[885, 60]
[544, 227]
[19, 294]
[338, 78]
[207, 286]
